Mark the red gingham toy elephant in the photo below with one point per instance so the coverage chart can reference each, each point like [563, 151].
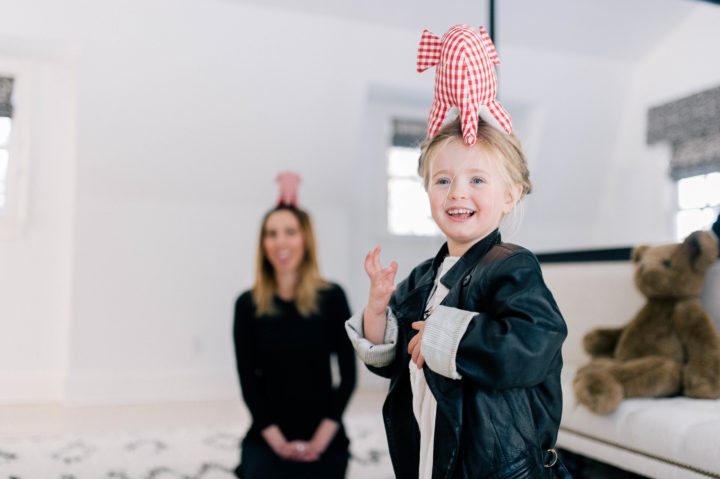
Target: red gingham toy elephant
[465, 78]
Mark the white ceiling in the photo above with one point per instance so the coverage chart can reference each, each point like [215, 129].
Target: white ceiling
[616, 29]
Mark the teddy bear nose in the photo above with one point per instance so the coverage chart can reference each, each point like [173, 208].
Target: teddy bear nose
[655, 279]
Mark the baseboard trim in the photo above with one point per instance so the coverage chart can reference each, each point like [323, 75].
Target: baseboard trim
[30, 387]
[128, 388]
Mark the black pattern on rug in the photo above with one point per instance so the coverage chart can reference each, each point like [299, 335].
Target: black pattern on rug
[203, 452]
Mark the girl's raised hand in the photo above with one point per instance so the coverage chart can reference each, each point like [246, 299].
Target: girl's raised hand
[382, 282]
[382, 285]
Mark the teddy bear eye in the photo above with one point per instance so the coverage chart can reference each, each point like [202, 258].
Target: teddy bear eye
[666, 263]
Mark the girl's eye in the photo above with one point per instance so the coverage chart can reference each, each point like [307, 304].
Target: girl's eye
[443, 181]
[477, 181]
[290, 231]
[270, 234]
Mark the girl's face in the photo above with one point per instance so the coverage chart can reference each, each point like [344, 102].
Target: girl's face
[283, 241]
[468, 195]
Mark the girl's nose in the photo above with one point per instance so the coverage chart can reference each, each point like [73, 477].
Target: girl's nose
[457, 190]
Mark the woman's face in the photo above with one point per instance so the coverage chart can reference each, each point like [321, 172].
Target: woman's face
[283, 241]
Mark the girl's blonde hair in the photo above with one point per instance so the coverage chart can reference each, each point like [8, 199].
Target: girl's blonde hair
[506, 147]
[309, 281]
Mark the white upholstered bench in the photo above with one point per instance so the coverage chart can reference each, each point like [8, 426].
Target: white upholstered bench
[663, 438]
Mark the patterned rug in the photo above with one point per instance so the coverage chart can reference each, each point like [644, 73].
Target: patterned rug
[207, 452]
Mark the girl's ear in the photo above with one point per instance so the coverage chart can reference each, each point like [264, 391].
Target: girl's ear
[512, 196]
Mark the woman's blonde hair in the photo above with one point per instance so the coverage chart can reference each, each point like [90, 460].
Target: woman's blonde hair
[309, 281]
[506, 146]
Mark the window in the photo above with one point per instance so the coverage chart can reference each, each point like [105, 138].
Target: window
[690, 126]
[408, 210]
[6, 85]
[698, 203]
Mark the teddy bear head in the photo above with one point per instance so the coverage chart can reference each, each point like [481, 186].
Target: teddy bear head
[675, 271]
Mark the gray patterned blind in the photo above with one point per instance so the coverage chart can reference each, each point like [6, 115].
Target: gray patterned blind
[692, 126]
[6, 86]
[408, 133]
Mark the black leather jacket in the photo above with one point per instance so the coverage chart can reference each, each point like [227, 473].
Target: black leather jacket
[500, 419]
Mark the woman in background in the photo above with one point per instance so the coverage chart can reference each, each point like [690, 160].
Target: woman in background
[286, 328]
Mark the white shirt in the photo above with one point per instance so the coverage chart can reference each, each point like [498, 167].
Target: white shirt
[424, 403]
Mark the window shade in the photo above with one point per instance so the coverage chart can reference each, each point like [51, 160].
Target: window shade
[408, 133]
[692, 126]
[6, 86]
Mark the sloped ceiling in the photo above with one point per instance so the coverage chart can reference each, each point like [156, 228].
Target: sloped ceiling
[625, 30]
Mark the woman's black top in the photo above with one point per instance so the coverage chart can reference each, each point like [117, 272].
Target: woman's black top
[283, 361]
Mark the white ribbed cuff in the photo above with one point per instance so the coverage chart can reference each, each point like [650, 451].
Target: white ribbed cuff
[377, 355]
[444, 329]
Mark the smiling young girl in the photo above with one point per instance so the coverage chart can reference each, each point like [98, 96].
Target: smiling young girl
[470, 339]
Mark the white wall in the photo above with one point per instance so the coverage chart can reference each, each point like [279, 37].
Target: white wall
[184, 111]
[36, 239]
[567, 118]
[639, 196]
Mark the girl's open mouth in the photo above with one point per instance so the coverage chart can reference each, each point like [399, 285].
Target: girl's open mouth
[460, 213]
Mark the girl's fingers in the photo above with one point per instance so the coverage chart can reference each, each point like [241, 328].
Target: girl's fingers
[382, 280]
[368, 263]
[372, 266]
[414, 346]
[372, 262]
[411, 344]
[416, 357]
[393, 271]
[376, 257]
[390, 271]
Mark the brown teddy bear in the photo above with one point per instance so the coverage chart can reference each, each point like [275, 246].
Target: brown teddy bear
[671, 346]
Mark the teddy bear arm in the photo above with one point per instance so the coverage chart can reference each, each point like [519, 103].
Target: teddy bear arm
[601, 341]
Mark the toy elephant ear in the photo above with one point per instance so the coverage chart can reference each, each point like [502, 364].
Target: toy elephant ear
[289, 181]
[701, 248]
[638, 251]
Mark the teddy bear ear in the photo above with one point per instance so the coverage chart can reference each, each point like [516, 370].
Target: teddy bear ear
[638, 251]
[701, 248]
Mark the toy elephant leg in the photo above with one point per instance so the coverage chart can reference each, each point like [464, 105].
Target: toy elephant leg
[438, 111]
[596, 388]
[500, 117]
[652, 376]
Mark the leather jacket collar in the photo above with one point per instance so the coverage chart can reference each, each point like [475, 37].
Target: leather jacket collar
[466, 261]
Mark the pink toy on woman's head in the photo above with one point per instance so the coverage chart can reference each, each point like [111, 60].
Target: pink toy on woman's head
[289, 182]
[465, 78]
